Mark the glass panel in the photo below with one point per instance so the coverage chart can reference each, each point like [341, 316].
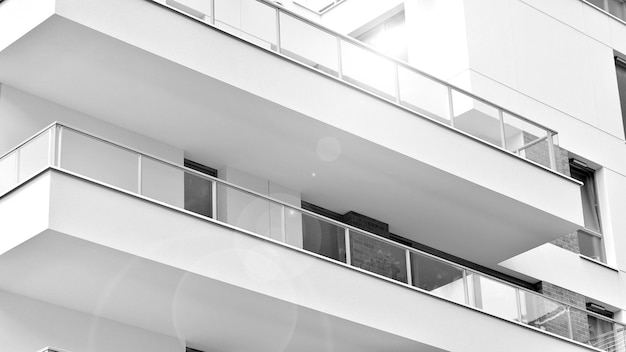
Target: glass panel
[34, 156]
[244, 210]
[308, 44]
[591, 246]
[544, 314]
[198, 194]
[476, 118]
[8, 172]
[99, 160]
[162, 182]
[601, 334]
[248, 19]
[320, 236]
[437, 277]
[519, 134]
[368, 70]
[492, 296]
[598, 3]
[423, 95]
[378, 257]
[617, 9]
[620, 338]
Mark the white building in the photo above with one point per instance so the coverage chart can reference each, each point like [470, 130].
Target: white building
[356, 175]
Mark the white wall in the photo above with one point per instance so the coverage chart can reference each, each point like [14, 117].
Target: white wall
[29, 325]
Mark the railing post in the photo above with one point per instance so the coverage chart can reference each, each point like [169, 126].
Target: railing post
[17, 165]
[212, 5]
[59, 145]
[283, 224]
[347, 244]
[278, 45]
[396, 79]
[214, 200]
[52, 144]
[339, 59]
[502, 130]
[551, 152]
[466, 287]
[450, 106]
[518, 302]
[569, 320]
[409, 276]
[139, 172]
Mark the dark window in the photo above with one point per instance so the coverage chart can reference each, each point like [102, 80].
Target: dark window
[590, 238]
[198, 189]
[620, 67]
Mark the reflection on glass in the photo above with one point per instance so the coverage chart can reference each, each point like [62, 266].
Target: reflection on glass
[324, 238]
[423, 95]
[308, 44]
[492, 296]
[602, 334]
[99, 160]
[368, 70]
[526, 139]
[591, 246]
[476, 118]
[378, 257]
[198, 194]
[244, 210]
[437, 277]
[250, 20]
[8, 172]
[34, 156]
[544, 314]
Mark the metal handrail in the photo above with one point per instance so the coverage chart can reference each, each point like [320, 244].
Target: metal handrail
[57, 129]
[396, 65]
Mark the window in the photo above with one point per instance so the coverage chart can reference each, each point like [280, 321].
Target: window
[389, 37]
[616, 8]
[620, 68]
[199, 190]
[590, 238]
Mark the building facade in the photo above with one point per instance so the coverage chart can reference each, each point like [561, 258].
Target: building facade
[312, 175]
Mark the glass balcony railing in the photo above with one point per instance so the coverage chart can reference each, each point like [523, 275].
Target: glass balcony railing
[273, 28]
[70, 150]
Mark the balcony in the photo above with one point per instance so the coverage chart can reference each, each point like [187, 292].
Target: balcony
[89, 200]
[195, 87]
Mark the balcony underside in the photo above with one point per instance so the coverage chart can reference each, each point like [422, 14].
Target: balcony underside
[227, 103]
[114, 255]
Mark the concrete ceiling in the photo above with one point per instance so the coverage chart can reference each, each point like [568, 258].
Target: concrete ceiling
[209, 315]
[219, 125]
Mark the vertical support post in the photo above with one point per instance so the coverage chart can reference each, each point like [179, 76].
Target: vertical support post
[450, 106]
[17, 165]
[212, 4]
[278, 45]
[139, 172]
[214, 200]
[347, 244]
[502, 130]
[518, 302]
[52, 145]
[466, 288]
[551, 153]
[396, 79]
[409, 275]
[59, 145]
[283, 223]
[569, 320]
[339, 59]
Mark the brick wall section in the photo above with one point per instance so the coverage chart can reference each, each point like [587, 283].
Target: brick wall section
[580, 325]
[539, 154]
[374, 255]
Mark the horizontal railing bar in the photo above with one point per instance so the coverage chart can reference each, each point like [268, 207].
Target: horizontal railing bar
[318, 216]
[400, 62]
[530, 144]
[37, 134]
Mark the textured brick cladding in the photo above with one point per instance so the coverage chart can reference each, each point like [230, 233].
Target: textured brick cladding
[578, 318]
